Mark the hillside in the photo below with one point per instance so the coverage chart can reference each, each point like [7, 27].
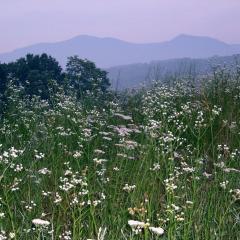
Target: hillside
[163, 163]
[133, 75]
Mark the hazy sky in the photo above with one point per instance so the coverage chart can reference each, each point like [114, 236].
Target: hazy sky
[25, 22]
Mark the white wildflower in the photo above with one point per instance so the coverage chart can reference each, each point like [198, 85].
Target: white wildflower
[157, 230]
[136, 224]
[40, 222]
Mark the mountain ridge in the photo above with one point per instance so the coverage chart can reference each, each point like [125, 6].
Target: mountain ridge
[108, 52]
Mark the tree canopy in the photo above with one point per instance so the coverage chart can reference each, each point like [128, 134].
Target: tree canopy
[84, 76]
[35, 74]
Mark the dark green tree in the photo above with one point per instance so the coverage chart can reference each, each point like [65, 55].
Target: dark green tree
[34, 72]
[83, 76]
[3, 85]
[3, 78]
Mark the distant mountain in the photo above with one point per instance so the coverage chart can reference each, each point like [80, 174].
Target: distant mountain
[107, 52]
[134, 75]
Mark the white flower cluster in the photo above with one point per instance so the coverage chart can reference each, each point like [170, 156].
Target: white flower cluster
[138, 226]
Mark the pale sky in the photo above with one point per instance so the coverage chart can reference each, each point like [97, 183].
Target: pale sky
[25, 22]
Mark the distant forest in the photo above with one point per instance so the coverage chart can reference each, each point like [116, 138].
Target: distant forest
[135, 75]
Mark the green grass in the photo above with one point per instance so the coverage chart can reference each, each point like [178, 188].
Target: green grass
[175, 154]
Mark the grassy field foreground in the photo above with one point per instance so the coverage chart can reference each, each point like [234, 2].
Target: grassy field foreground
[163, 163]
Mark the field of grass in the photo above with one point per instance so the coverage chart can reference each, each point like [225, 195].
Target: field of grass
[162, 163]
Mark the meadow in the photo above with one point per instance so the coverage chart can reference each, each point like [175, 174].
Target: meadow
[160, 163]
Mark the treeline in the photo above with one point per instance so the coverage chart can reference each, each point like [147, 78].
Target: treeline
[35, 74]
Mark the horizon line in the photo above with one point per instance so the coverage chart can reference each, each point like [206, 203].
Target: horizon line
[115, 38]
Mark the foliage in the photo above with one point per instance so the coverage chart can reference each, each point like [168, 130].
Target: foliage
[34, 73]
[84, 76]
[162, 163]
[41, 75]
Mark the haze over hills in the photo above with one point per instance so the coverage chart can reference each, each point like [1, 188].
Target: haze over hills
[108, 52]
[134, 75]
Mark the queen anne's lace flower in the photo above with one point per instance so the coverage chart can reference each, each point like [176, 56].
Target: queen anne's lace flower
[136, 224]
[40, 222]
[157, 230]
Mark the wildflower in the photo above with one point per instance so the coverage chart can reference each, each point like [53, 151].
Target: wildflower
[11, 235]
[58, 198]
[129, 188]
[179, 219]
[170, 187]
[216, 110]
[158, 231]
[44, 171]
[136, 224]
[18, 168]
[131, 211]
[77, 154]
[99, 161]
[207, 175]
[40, 222]
[96, 202]
[98, 151]
[188, 169]
[66, 235]
[224, 184]
[39, 155]
[156, 167]
[235, 194]
[68, 173]
[176, 208]
[3, 235]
